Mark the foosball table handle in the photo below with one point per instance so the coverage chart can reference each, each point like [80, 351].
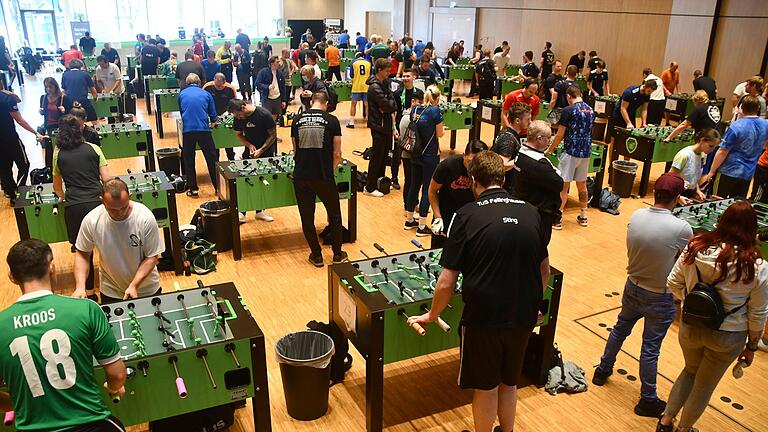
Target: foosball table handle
[9, 418]
[181, 388]
[443, 325]
[114, 396]
[418, 328]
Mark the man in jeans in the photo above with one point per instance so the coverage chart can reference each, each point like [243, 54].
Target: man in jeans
[654, 240]
[316, 136]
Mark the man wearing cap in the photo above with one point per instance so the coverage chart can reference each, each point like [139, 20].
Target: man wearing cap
[654, 240]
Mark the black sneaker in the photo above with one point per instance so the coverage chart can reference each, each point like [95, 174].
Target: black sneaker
[395, 184]
[423, 232]
[192, 193]
[316, 260]
[664, 428]
[600, 377]
[340, 257]
[411, 224]
[650, 407]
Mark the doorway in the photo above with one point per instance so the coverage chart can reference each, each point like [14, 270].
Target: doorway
[40, 29]
[379, 23]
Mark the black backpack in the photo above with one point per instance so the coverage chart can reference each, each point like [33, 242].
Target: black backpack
[411, 140]
[703, 306]
[487, 71]
[333, 99]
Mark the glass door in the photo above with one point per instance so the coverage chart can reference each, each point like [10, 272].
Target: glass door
[40, 29]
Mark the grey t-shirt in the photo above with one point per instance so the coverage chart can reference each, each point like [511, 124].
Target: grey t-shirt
[654, 240]
[122, 246]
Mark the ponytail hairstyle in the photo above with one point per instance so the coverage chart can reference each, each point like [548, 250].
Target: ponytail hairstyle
[432, 96]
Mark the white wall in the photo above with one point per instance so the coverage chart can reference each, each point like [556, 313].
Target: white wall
[354, 14]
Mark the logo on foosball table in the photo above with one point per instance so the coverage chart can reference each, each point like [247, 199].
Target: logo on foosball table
[631, 144]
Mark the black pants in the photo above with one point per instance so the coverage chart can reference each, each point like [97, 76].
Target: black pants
[485, 89]
[190, 141]
[226, 69]
[547, 220]
[307, 191]
[335, 71]
[407, 181]
[395, 163]
[48, 145]
[655, 112]
[381, 146]
[288, 96]
[110, 424]
[109, 300]
[759, 182]
[12, 152]
[730, 187]
[244, 80]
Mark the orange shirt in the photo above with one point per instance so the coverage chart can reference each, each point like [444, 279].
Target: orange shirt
[332, 55]
[70, 55]
[763, 161]
[670, 80]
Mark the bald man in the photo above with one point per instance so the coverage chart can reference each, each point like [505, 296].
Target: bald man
[671, 79]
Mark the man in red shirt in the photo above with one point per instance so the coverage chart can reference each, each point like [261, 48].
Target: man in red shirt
[70, 54]
[526, 95]
[671, 79]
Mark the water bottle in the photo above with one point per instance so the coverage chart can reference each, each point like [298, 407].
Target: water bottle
[738, 368]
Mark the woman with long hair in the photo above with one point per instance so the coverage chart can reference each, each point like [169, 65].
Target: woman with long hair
[53, 105]
[81, 167]
[429, 126]
[729, 259]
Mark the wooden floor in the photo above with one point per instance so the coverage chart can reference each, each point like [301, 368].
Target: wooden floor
[285, 292]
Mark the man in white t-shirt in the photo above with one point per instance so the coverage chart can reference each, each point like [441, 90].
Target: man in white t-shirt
[109, 79]
[658, 100]
[126, 235]
[502, 60]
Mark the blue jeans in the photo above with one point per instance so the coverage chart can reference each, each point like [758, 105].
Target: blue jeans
[658, 310]
[422, 169]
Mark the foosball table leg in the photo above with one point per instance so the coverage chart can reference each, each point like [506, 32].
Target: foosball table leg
[262, 418]
[352, 207]
[453, 139]
[149, 158]
[147, 97]
[645, 178]
[599, 177]
[374, 377]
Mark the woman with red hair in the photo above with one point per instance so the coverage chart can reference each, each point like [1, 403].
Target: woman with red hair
[729, 259]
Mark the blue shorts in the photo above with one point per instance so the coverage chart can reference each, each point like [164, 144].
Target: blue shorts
[359, 96]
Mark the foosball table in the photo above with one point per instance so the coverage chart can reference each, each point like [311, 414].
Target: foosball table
[457, 116]
[603, 107]
[90, 62]
[125, 140]
[680, 105]
[370, 300]
[265, 183]
[445, 86]
[513, 70]
[157, 82]
[703, 217]
[597, 156]
[343, 89]
[106, 105]
[647, 145]
[186, 351]
[461, 72]
[508, 84]
[166, 101]
[490, 111]
[40, 213]
[224, 134]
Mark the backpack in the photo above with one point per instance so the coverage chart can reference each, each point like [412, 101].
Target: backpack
[703, 306]
[333, 99]
[487, 71]
[411, 140]
[201, 256]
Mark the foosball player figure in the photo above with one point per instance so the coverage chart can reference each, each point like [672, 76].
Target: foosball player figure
[494, 243]
[42, 328]
[126, 235]
[316, 137]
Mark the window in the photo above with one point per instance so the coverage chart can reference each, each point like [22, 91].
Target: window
[269, 13]
[131, 19]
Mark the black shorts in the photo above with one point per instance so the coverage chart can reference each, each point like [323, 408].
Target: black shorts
[490, 357]
[109, 424]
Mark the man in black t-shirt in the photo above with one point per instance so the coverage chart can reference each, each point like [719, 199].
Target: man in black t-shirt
[497, 243]
[316, 137]
[577, 60]
[222, 93]
[150, 58]
[87, 44]
[552, 79]
[450, 189]
[13, 151]
[164, 53]
[559, 100]
[593, 60]
[500, 48]
[547, 61]
[189, 66]
[111, 54]
[701, 82]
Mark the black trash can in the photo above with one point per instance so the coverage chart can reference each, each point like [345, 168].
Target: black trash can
[217, 224]
[623, 177]
[169, 160]
[305, 367]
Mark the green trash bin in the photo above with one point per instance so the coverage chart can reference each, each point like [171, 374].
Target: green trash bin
[623, 177]
[305, 367]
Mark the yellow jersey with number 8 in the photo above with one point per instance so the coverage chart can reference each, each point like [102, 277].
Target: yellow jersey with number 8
[361, 70]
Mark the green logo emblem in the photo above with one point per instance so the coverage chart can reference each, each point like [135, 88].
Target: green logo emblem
[631, 144]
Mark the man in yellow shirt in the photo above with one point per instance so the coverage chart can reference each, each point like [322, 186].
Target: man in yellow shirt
[360, 71]
[333, 56]
[224, 57]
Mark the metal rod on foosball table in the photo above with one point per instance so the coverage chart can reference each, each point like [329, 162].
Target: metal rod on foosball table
[230, 348]
[415, 326]
[167, 344]
[190, 322]
[202, 354]
[180, 387]
[442, 324]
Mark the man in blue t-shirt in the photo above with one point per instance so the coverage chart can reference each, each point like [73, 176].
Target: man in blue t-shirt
[343, 40]
[634, 97]
[575, 127]
[736, 159]
[77, 84]
[360, 42]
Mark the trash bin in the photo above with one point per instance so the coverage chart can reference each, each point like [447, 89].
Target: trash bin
[623, 177]
[305, 366]
[217, 224]
[169, 160]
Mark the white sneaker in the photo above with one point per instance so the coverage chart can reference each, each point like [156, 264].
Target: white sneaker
[375, 193]
[264, 217]
[241, 218]
[762, 346]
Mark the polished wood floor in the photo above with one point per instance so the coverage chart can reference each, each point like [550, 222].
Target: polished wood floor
[285, 292]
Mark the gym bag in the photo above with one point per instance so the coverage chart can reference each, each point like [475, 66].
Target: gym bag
[411, 141]
[703, 306]
[201, 256]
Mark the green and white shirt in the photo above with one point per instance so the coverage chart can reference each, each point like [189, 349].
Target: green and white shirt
[47, 348]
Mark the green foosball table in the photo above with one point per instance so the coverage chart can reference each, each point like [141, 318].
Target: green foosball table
[134, 67]
[106, 105]
[125, 140]
[513, 70]
[186, 351]
[680, 105]
[40, 213]
[265, 183]
[596, 157]
[369, 300]
[343, 89]
[461, 72]
[166, 101]
[445, 86]
[508, 84]
[647, 145]
[348, 53]
[224, 134]
[90, 62]
[296, 81]
[604, 107]
[463, 61]
[457, 116]
[581, 81]
[157, 82]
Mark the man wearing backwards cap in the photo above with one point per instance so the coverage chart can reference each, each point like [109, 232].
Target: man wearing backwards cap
[654, 239]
